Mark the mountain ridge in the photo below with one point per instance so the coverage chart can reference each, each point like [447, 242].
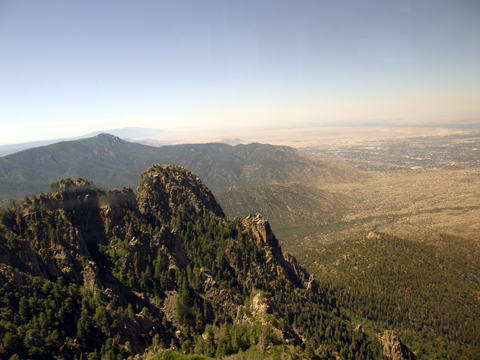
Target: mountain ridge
[124, 133]
[113, 163]
[156, 268]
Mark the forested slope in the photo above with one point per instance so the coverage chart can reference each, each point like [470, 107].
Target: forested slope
[286, 205]
[114, 163]
[107, 274]
[428, 293]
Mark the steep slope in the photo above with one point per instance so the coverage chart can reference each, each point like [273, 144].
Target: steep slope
[286, 205]
[113, 163]
[105, 158]
[111, 273]
[429, 293]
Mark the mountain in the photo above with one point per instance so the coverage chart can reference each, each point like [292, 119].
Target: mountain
[13, 148]
[112, 274]
[232, 142]
[113, 163]
[426, 291]
[124, 133]
[285, 205]
[127, 133]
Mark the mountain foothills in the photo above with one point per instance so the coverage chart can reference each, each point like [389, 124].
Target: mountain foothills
[293, 205]
[111, 162]
[428, 292]
[90, 273]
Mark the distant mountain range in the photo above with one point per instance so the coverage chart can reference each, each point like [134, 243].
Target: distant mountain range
[172, 229]
[112, 162]
[123, 133]
[232, 142]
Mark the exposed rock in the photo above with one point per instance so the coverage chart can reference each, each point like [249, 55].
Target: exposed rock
[109, 293]
[96, 239]
[169, 305]
[312, 285]
[283, 266]
[298, 270]
[164, 188]
[218, 296]
[373, 236]
[10, 276]
[90, 276]
[393, 349]
[174, 244]
[260, 305]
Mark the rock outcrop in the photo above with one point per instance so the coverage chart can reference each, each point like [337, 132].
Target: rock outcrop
[279, 264]
[393, 349]
[218, 296]
[145, 251]
[163, 192]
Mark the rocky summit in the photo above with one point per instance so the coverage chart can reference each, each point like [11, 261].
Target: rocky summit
[112, 274]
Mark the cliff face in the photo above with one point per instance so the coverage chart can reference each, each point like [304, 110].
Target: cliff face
[166, 252]
[278, 264]
[393, 349]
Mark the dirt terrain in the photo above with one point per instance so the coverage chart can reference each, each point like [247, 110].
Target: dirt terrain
[416, 206]
[402, 197]
[443, 201]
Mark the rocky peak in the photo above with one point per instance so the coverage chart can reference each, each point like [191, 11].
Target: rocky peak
[108, 138]
[281, 265]
[72, 185]
[169, 244]
[163, 190]
[262, 230]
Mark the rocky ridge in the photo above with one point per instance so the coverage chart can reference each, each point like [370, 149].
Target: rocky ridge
[111, 162]
[138, 249]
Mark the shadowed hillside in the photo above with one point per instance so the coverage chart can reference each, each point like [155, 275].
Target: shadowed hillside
[286, 206]
[111, 273]
[114, 163]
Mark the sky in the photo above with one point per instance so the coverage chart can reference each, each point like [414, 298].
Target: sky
[68, 68]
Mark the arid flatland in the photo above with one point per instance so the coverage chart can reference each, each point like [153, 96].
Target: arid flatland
[419, 188]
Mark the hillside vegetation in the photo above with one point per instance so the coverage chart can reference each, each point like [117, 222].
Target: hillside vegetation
[92, 273]
[114, 163]
[287, 205]
[430, 294]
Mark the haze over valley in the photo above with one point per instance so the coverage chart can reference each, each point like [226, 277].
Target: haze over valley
[352, 192]
[239, 180]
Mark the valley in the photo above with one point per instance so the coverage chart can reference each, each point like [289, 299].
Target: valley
[455, 151]
[416, 206]
[384, 226]
[405, 250]
[417, 188]
[400, 247]
[416, 184]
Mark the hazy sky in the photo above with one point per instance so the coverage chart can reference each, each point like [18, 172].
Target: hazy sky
[71, 67]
